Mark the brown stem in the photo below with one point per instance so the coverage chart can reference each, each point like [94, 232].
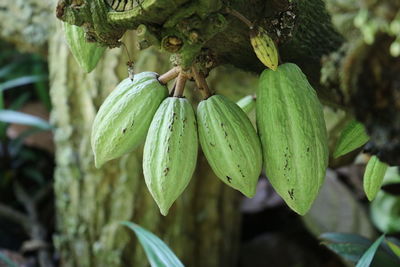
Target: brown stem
[169, 75]
[238, 15]
[180, 84]
[201, 83]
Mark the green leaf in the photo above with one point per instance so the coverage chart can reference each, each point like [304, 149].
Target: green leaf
[353, 136]
[368, 256]
[158, 253]
[395, 248]
[351, 247]
[21, 81]
[373, 177]
[7, 261]
[12, 116]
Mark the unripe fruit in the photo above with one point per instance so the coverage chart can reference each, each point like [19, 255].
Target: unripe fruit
[85, 53]
[230, 143]
[123, 119]
[170, 151]
[292, 130]
[264, 47]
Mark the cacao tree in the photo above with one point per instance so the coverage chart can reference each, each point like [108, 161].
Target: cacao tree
[351, 65]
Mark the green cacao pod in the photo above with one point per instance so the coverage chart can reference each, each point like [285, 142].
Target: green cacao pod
[123, 120]
[264, 47]
[373, 177]
[352, 137]
[293, 134]
[247, 103]
[170, 151]
[230, 143]
[85, 53]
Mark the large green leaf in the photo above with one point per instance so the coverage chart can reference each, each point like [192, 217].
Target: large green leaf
[368, 256]
[158, 253]
[11, 116]
[353, 136]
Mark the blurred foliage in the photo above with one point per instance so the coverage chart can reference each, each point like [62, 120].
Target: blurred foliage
[385, 209]
[357, 249]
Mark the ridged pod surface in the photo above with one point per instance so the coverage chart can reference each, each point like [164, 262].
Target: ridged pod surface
[170, 151]
[85, 53]
[264, 47]
[373, 177]
[123, 119]
[230, 143]
[293, 134]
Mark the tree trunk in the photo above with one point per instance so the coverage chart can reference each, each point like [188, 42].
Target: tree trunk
[202, 226]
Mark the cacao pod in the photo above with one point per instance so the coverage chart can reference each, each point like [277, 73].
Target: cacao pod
[352, 137]
[85, 53]
[373, 177]
[293, 134]
[247, 103]
[123, 119]
[264, 47]
[230, 143]
[170, 151]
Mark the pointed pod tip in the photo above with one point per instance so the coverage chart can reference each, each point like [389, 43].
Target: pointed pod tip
[98, 163]
[250, 193]
[301, 210]
[164, 211]
[370, 196]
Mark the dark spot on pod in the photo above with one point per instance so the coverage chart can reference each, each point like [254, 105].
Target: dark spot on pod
[211, 144]
[229, 179]
[124, 130]
[291, 193]
[166, 170]
[308, 149]
[230, 146]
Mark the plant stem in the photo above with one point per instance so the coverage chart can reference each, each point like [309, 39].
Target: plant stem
[180, 84]
[169, 75]
[201, 83]
[238, 15]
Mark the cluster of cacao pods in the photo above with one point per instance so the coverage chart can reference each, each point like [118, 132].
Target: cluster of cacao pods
[291, 136]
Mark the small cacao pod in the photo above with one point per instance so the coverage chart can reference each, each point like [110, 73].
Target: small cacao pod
[170, 151]
[123, 119]
[247, 103]
[230, 143]
[85, 53]
[264, 47]
[373, 177]
[293, 134]
[352, 137]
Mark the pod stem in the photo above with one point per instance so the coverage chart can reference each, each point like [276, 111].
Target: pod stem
[240, 16]
[169, 75]
[180, 84]
[201, 83]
